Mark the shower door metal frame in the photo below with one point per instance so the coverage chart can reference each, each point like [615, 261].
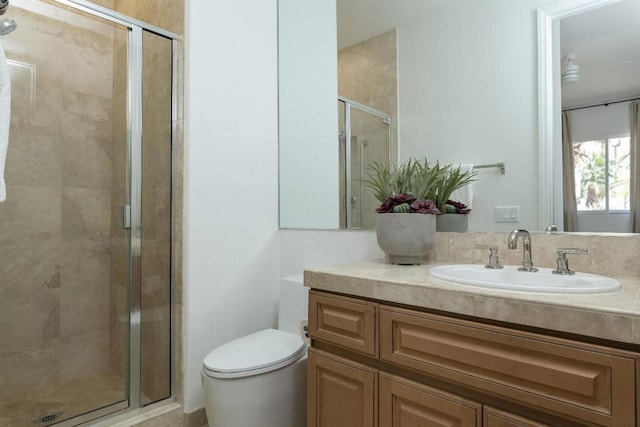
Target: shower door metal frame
[386, 119]
[134, 171]
[136, 30]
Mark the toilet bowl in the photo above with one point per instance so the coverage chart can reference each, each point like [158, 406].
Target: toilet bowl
[260, 379]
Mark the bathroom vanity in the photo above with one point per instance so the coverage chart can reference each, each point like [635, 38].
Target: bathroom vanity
[392, 347]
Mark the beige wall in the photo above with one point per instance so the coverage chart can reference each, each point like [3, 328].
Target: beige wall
[167, 14]
[367, 73]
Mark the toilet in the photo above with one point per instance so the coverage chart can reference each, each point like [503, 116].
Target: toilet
[260, 379]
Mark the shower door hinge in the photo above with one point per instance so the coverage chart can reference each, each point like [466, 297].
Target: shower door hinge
[126, 216]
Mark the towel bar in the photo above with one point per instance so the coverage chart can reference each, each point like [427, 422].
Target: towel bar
[499, 165]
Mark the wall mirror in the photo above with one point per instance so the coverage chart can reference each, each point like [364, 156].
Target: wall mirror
[589, 68]
[468, 87]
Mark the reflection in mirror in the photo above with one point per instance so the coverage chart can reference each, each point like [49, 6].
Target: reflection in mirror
[368, 132]
[308, 120]
[365, 67]
[594, 67]
[465, 95]
[367, 81]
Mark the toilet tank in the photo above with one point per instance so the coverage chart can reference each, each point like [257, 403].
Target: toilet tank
[294, 297]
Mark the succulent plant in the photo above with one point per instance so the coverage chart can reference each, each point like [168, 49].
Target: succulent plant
[415, 183]
[402, 208]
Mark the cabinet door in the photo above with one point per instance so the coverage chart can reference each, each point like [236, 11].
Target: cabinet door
[404, 403]
[497, 418]
[340, 393]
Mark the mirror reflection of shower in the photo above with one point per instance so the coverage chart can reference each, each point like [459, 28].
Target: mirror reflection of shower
[368, 132]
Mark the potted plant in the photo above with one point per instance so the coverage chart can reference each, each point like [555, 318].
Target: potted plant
[452, 179]
[414, 187]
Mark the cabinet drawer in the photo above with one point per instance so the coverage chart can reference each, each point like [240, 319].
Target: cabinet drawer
[587, 382]
[493, 417]
[404, 403]
[344, 322]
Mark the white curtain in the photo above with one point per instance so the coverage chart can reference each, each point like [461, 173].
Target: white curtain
[634, 128]
[570, 211]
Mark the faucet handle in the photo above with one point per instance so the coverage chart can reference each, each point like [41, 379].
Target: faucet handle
[563, 262]
[494, 259]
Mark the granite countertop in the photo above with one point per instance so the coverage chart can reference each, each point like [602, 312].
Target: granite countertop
[613, 315]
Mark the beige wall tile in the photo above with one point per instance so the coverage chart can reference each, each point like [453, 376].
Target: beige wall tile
[197, 418]
[86, 164]
[36, 208]
[84, 353]
[34, 158]
[86, 214]
[177, 366]
[30, 284]
[83, 309]
[29, 369]
[162, 13]
[609, 255]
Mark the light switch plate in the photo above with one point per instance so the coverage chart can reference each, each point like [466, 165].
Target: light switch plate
[507, 213]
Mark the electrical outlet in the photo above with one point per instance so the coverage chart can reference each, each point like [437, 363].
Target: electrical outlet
[507, 213]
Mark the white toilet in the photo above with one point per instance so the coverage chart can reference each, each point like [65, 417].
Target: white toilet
[260, 379]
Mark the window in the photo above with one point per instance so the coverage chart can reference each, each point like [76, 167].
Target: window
[602, 174]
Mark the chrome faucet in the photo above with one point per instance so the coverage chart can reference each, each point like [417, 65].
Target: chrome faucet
[527, 264]
[563, 263]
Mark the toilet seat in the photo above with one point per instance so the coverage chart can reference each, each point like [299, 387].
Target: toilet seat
[254, 354]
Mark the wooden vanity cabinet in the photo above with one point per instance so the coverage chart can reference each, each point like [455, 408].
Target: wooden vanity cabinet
[585, 384]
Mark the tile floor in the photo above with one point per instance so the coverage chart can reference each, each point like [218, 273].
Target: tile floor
[73, 397]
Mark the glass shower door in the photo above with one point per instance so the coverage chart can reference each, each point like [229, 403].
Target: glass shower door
[63, 303]
[155, 301]
[364, 139]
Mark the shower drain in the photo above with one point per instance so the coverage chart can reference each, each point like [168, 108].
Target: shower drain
[47, 417]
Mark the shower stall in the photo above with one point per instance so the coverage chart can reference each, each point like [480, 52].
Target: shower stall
[368, 133]
[85, 231]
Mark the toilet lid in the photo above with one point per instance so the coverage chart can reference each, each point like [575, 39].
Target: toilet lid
[254, 354]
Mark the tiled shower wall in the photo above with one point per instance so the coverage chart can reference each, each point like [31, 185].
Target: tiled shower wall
[54, 226]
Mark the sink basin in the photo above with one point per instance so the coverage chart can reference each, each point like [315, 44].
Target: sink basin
[511, 279]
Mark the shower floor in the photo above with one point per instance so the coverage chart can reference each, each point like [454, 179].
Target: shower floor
[73, 397]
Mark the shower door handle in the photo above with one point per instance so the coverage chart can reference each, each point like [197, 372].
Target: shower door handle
[126, 217]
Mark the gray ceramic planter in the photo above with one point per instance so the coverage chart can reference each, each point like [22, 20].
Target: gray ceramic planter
[452, 222]
[406, 237]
